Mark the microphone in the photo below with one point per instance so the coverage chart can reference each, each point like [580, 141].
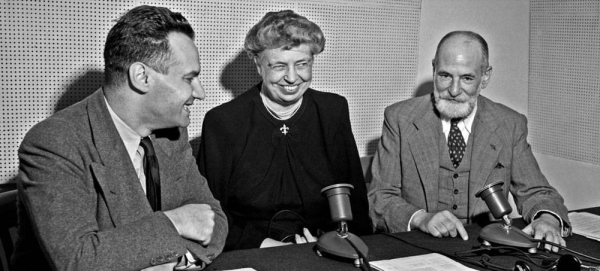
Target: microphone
[502, 233]
[341, 242]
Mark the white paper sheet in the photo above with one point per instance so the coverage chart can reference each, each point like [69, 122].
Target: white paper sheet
[585, 224]
[426, 262]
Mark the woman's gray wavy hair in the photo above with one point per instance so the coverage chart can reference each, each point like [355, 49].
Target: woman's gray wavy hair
[283, 29]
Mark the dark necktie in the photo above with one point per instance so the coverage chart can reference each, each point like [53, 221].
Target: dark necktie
[456, 143]
[152, 174]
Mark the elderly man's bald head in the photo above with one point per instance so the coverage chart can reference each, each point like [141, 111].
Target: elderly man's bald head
[460, 72]
[467, 38]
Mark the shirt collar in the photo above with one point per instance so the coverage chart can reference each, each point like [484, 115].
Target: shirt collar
[470, 118]
[130, 138]
[467, 122]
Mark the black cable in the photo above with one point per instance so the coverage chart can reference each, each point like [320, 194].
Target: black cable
[485, 258]
[465, 260]
[520, 254]
[485, 264]
[360, 255]
[284, 239]
[278, 213]
[593, 259]
[485, 261]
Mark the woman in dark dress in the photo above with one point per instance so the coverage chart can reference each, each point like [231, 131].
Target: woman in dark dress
[268, 153]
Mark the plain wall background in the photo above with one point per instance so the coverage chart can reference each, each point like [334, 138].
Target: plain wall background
[54, 57]
[505, 26]
[40, 62]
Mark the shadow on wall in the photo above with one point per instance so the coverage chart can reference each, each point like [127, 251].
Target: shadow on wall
[371, 146]
[240, 74]
[195, 142]
[11, 184]
[80, 89]
[425, 88]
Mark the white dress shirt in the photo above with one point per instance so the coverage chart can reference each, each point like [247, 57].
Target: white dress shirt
[132, 140]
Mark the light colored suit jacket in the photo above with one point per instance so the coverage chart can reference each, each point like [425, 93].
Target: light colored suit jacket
[406, 166]
[81, 205]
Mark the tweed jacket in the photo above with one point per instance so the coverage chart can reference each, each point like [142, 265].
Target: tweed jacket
[406, 166]
[81, 205]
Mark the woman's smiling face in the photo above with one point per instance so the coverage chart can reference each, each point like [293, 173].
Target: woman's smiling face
[286, 74]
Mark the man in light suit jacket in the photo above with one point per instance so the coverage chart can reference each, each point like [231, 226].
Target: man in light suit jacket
[422, 181]
[83, 196]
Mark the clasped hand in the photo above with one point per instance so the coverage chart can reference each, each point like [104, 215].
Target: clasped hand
[194, 222]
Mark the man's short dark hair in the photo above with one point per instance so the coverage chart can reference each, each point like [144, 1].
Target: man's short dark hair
[471, 36]
[141, 35]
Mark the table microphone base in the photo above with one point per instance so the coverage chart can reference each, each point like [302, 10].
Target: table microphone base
[499, 233]
[334, 244]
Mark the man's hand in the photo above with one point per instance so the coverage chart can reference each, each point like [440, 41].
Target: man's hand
[193, 221]
[546, 227]
[441, 224]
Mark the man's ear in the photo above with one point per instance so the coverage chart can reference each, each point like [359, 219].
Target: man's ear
[138, 76]
[487, 75]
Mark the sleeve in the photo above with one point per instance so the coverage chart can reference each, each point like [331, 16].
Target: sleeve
[200, 193]
[350, 171]
[565, 230]
[530, 188]
[389, 211]
[56, 188]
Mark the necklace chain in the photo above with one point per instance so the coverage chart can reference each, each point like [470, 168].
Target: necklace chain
[281, 115]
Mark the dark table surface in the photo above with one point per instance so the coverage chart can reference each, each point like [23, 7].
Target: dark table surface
[382, 246]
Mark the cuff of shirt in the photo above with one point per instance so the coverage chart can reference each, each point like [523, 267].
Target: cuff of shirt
[411, 218]
[564, 230]
[189, 262]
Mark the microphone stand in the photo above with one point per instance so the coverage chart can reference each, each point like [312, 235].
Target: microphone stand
[340, 242]
[502, 233]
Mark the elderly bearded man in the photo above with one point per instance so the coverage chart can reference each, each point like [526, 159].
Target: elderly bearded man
[436, 151]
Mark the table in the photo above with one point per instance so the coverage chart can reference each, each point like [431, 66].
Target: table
[381, 246]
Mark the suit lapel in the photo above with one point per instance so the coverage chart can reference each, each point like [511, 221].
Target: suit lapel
[486, 149]
[114, 172]
[423, 142]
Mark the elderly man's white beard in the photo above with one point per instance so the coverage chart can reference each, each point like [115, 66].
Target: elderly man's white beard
[457, 108]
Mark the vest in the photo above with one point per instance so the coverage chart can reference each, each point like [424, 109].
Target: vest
[453, 184]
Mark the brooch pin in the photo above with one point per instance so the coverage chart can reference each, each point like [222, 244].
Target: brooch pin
[284, 129]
